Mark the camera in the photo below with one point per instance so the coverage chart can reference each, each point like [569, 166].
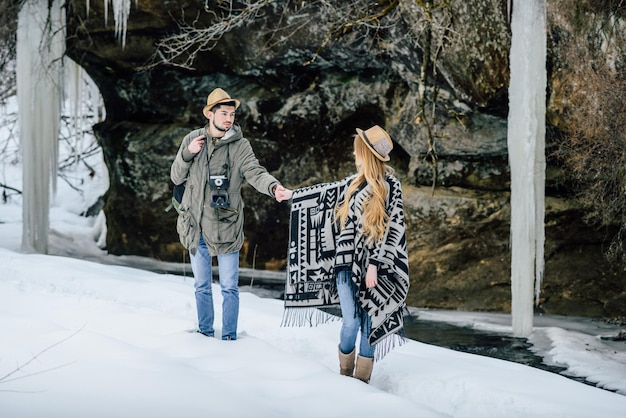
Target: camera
[219, 194]
[218, 182]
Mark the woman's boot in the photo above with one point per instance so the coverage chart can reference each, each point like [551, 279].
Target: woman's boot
[364, 366]
[346, 363]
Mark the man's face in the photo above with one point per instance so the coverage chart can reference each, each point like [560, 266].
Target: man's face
[223, 118]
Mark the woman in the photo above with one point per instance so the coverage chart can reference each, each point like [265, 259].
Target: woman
[357, 258]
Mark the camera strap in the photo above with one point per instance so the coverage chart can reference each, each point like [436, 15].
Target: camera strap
[226, 165]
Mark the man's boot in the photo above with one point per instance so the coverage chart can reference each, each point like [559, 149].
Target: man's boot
[364, 366]
[346, 363]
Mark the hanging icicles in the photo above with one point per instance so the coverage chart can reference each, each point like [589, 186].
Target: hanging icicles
[40, 49]
[74, 93]
[121, 11]
[83, 107]
[526, 146]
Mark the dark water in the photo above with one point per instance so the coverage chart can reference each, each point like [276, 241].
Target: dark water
[469, 340]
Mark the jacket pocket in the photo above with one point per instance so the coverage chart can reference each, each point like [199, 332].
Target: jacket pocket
[184, 226]
[229, 226]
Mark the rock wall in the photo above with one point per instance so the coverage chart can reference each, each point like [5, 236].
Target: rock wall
[300, 107]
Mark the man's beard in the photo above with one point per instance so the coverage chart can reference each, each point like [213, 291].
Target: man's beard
[217, 127]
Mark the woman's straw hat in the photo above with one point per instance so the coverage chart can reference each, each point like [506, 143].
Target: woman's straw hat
[377, 140]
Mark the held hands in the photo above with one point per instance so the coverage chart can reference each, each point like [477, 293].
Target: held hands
[196, 144]
[371, 277]
[281, 193]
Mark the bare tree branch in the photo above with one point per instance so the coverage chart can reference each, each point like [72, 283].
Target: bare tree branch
[7, 377]
[594, 146]
[182, 49]
[8, 41]
[370, 17]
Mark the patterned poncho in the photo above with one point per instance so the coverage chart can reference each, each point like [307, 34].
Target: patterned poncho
[317, 247]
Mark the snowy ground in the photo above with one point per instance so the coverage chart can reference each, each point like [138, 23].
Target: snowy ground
[81, 338]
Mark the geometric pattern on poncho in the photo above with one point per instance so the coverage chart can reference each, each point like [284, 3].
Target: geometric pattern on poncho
[316, 244]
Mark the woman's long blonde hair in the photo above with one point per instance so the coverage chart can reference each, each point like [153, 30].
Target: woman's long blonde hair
[372, 171]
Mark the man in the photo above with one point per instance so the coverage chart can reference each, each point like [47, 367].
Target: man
[213, 162]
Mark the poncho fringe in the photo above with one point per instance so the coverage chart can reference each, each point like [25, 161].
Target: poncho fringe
[300, 317]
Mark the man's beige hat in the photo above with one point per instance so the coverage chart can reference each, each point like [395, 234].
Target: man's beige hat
[377, 140]
[217, 96]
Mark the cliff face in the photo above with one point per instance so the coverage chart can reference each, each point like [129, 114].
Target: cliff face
[300, 107]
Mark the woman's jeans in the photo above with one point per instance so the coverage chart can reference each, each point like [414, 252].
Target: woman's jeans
[354, 318]
[228, 267]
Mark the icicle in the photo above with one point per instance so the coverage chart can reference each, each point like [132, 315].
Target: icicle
[74, 83]
[526, 145]
[106, 12]
[98, 103]
[40, 48]
[83, 104]
[121, 11]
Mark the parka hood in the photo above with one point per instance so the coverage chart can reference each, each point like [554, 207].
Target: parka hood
[232, 135]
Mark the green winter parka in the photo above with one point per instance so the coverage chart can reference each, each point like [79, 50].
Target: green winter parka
[233, 157]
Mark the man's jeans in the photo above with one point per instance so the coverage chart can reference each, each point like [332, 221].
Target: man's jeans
[354, 318]
[228, 267]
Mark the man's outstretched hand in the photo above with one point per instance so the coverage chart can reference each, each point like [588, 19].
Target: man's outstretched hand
[281, 193]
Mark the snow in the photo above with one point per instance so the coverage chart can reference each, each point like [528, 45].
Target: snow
[83, 336]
